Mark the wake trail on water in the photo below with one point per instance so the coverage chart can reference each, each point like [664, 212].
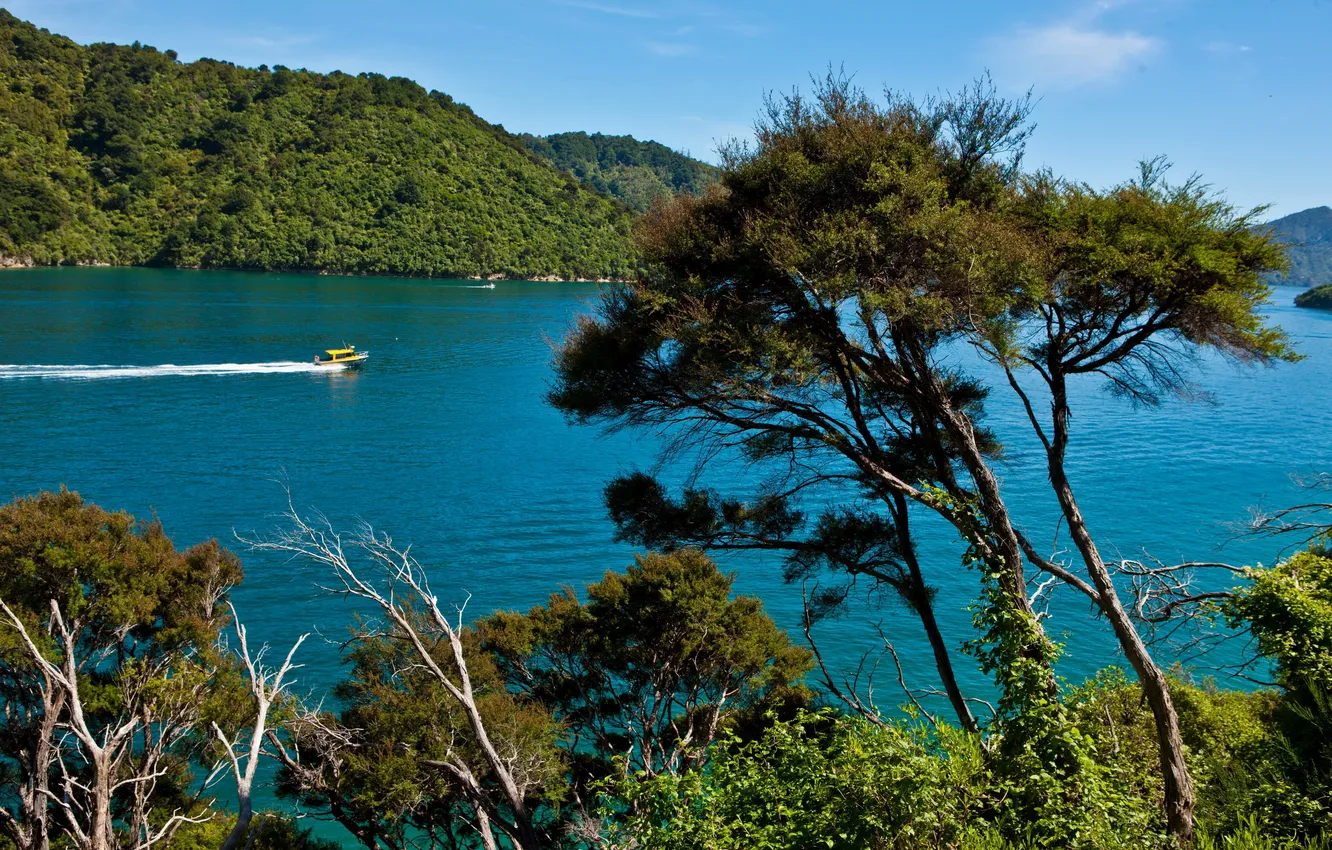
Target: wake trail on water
[90, 372]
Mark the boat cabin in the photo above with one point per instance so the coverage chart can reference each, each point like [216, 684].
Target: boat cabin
[349, 356]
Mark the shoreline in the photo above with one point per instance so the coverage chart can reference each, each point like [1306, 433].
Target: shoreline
[10, 263]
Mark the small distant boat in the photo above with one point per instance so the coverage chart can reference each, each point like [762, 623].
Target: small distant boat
[339, 358]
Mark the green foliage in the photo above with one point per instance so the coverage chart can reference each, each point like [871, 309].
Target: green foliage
[115, 575]
[1251, 835]
[1288, 610]
[143, 622]
[125, 156]
[655, 662]
[1318, 298]
[1236, 752]
[268, 831]
[834, 782]
[817, 782]
[638, 173]
[1052, 784]
[383, 779]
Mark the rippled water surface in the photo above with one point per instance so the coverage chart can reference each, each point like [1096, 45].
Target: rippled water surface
[186, 393]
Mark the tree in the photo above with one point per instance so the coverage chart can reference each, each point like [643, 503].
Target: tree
[108, 645]
[1134, 281]
[267, 687]
[801, 315]
[651, 668]
[484, 739]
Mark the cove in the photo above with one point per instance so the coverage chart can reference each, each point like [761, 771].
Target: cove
[188, 394]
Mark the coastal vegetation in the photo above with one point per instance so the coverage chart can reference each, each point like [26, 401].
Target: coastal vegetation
[800, 313]
[123, 155]
[801, 317]
[650, 709]
[638, 173]
[1319, 298]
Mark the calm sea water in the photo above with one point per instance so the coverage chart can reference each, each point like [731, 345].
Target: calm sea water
[444, 441]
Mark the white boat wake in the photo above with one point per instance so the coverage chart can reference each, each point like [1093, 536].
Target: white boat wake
[89, 372]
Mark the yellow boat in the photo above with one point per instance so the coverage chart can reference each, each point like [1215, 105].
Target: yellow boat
[339, 358]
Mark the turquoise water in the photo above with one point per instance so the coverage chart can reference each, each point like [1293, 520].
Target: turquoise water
[444, 441]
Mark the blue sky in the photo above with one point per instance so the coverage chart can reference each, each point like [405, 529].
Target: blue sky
[1240, 92]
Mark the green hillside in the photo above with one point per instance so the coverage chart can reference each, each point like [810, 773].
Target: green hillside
[636, 172]
[1309, 234]
[123, 155]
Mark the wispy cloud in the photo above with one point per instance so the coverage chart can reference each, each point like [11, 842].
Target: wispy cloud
[1228, 47]
[1072, 53]
[272, 40]
[618, 11]
[670, 49]
[663, 27]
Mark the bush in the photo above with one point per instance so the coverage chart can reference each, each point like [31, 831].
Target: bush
[822, 781]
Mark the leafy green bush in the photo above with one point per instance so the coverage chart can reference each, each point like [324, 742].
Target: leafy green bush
[828, 781]
[823, 781]
[1288, 609]
[269, 831]
[1234, 747]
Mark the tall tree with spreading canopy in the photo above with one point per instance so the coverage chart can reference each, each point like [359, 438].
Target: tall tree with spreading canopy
[656, 663]
[803, 315]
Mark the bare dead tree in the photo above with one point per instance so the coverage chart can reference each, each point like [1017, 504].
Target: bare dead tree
[126, 756]
[1160, 591]
[267, 687]
[1308, 521]
[856, 690]
[404, 582]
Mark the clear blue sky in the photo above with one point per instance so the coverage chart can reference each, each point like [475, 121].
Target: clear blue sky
[1238, 90]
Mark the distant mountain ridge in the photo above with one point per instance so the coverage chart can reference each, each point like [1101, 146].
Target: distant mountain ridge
[1309, 236]
[123, 155]
[637, 173]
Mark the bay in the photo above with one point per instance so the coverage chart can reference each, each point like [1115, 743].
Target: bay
[139, 389]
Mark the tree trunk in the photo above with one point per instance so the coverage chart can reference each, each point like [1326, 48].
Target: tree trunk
[101, 834]
[37, 808]
[1179, 792]
[244, 816]
[526, 838]
[483, 826]
[925, 610]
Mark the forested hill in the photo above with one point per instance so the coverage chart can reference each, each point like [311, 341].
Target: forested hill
[636, 172]
[1310, 252]
[123, 155]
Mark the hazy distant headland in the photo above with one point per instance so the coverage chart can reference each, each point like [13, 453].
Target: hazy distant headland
[122, 155]
[1308, 235]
